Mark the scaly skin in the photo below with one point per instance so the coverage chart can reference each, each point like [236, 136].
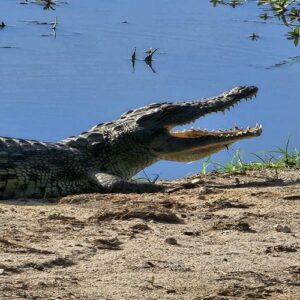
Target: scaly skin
[107, 156]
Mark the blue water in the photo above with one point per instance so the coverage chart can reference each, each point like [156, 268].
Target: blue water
[51, 88]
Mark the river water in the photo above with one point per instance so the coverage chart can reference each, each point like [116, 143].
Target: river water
[55, 86]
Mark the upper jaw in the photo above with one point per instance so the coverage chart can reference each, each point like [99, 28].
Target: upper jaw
[228, 99]
[187, 112]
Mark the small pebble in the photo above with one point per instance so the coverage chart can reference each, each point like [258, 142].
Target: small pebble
[282, 228]
[140, 227]
[191, 233]
[149, 264]
[204, 190]
[1, 271]
[171, 241]
[196, 181]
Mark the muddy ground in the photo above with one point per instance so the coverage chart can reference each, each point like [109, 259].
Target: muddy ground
[217, 237]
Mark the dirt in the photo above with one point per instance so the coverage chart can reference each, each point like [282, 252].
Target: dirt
[213, 237]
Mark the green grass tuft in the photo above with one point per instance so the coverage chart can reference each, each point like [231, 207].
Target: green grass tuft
[279, 158]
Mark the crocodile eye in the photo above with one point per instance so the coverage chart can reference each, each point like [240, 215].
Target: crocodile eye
[144, 118]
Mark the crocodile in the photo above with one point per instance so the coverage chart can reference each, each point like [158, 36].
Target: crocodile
[105, 158]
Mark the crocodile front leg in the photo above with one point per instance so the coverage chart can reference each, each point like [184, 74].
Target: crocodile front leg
[114, 184]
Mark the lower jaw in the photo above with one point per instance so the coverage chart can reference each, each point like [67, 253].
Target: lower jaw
[188, 156]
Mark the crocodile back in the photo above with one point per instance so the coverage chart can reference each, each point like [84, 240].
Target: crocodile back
[29, 168]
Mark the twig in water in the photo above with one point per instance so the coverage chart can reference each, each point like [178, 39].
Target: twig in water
[54, 24]
[133, 58]
[148, 58]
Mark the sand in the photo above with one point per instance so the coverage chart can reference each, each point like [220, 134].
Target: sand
[216, 236]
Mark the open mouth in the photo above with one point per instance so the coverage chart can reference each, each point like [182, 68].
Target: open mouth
[227, 134]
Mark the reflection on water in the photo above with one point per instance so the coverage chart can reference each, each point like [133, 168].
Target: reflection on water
[147, 60]
[231, 3]
[285, 62]
[287, 12]
[52, 88]
[46, 4]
